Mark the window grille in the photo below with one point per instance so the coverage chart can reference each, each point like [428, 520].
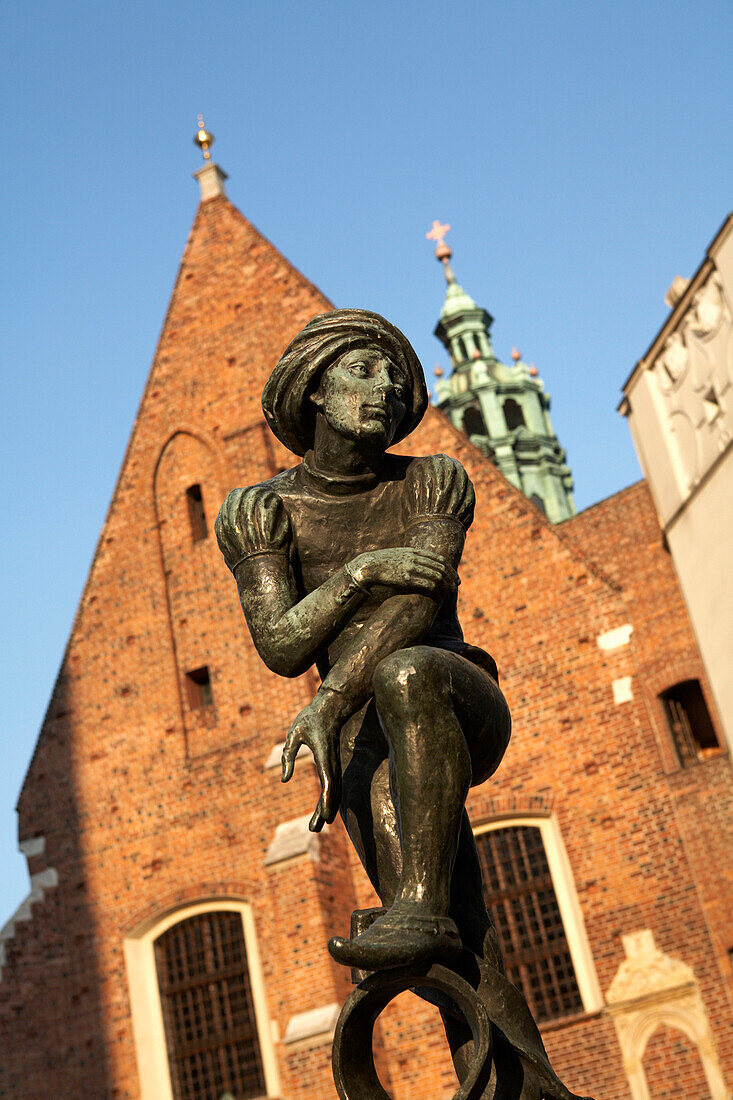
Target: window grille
[208, 1011]
[196, 513]
[689, 722]
[521, 901]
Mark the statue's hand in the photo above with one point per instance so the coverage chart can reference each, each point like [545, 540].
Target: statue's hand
[317, 728]
[405, 569]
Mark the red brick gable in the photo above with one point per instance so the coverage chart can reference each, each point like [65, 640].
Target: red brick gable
[218, 343]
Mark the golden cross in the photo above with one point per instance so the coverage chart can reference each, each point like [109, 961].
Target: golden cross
[437, 233]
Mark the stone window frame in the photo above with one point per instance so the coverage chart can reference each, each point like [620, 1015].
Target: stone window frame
[147, 1011]
[567, 900]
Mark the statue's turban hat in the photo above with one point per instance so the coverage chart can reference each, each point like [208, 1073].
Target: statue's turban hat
[286, 396]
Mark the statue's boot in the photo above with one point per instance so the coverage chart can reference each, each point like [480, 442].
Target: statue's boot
[399, 938]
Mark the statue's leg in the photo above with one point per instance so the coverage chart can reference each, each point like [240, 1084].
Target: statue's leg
[367, 808]
[446, 725]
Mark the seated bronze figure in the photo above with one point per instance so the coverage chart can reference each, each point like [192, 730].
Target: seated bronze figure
[348, 561]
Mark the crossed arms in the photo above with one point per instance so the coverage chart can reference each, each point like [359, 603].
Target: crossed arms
[290, 633]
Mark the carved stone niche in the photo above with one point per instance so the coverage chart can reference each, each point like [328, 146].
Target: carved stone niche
[651, 989]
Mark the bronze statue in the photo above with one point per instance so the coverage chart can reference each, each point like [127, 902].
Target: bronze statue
[348, 561]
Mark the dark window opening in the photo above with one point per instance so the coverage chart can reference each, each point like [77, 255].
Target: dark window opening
[513, 414]
[462, 353]
[538, 502]
[196, 513]
[521, 900]
[208, 1009]
[198, 688]
[689, 722]
[473, 422]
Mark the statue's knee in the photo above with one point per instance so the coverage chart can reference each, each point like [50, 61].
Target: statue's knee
[387, 675]
[406, 676]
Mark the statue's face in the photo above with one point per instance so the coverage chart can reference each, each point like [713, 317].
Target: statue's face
[363, 396]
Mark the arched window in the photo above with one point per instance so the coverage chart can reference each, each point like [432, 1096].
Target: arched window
[523, 895]
[198, 1004]
[473, 422]
[689, 722]
[513, 414]
[205, 994]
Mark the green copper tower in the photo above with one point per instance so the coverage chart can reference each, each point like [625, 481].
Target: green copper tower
[504, 410]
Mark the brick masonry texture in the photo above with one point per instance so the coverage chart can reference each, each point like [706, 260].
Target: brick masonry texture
[147, 804]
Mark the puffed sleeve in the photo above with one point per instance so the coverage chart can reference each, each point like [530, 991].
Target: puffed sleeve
[437, 487]
[252, 521]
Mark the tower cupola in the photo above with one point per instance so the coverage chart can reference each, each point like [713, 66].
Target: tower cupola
[503, 409]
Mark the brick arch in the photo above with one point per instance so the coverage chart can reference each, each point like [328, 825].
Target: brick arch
[157, 909]
[510, 805]
[206, 439]
[674, 671]
[195, 580]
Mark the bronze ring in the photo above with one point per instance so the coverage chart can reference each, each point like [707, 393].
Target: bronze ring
[354, 1071]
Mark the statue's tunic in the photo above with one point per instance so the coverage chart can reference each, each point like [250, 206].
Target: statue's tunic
[323, 522]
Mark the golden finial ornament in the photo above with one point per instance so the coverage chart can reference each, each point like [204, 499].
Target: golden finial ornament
[203, 139]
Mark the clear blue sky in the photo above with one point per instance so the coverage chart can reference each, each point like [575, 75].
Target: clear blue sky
[581, 152]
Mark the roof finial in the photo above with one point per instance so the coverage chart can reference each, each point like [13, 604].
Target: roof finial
[210, 175]
[442, 250]
[203, 139]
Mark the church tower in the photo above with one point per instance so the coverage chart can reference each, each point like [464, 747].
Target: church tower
[504, 410]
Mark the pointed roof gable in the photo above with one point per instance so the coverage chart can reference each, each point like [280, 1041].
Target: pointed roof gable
[236, 303]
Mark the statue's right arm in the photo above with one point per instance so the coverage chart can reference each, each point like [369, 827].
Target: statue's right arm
[254, 535]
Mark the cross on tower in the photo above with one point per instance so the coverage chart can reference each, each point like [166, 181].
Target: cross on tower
[437, 233]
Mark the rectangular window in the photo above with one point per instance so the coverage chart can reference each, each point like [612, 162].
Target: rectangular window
[689, 722]
[198, 688]
[196, 513]
[521, 900]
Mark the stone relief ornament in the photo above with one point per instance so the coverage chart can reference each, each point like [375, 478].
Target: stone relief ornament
[671, 366]
[708, 307]
[646, 970]
[652, 989]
